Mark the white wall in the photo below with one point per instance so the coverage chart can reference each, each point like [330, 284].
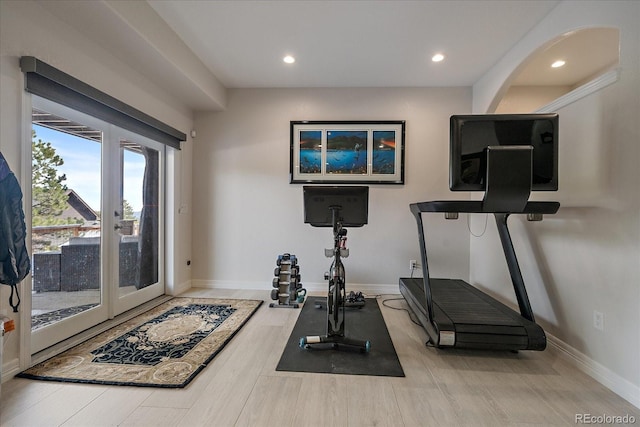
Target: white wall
[27, 28]
[525, 99]
[246, 212]
[587, 257]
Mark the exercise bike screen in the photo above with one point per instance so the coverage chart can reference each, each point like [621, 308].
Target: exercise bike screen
[352, 203]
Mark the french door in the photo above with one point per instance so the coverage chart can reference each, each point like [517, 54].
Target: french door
[137, 222]
[97, 221]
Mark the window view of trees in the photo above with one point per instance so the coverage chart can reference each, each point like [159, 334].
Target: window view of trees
[127, 210]
[49, 190]
[50, 197]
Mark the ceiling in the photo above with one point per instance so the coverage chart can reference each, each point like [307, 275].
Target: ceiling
[350, 43]
[195, 50]
[587, 52]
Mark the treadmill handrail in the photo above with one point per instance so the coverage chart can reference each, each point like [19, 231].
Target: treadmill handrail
[470, 206]
[476, 206]
[425, 265]
[514, 269]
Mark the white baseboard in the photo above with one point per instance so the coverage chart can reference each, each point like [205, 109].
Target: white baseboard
[227, 284]
[595, 370]
[10, 369]
[367, 289]
[181, 288]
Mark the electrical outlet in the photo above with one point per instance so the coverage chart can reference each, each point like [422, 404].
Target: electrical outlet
[598, 320]
[413, 264]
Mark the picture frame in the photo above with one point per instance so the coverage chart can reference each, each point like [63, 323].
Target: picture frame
[346, 152]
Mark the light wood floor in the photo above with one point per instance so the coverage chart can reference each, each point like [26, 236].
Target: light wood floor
[242, 388]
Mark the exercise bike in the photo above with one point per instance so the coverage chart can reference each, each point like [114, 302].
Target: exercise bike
[344, 206]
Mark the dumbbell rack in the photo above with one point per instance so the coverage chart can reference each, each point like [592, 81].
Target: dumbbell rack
[286, 284]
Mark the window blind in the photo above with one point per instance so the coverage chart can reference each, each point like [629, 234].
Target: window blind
[48, 82]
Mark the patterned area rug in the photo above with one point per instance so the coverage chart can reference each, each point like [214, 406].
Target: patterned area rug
[164, 347]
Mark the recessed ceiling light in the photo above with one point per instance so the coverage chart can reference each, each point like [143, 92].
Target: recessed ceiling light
[559, 63]
[437, 57]
[289, 59]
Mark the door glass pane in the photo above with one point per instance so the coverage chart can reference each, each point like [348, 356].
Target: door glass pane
[66, 234]
[138, 222]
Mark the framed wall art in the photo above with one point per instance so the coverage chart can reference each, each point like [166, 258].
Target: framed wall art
[344, 152]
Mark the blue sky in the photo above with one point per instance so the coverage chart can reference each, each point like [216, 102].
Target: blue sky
[82, 167]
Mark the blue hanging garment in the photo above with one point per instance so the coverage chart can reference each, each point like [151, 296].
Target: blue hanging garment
[14, 259]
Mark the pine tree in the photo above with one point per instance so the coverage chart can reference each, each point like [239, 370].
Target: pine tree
[127, 210]
[49, 193]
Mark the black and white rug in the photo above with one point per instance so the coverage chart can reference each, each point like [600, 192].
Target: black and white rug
[164, 347]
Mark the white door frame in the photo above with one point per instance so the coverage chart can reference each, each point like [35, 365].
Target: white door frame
[111, 304]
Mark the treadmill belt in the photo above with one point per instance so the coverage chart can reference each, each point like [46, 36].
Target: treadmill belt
[478, 320]
[463, 306]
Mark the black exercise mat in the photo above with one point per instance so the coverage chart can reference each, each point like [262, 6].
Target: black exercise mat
[364, 323]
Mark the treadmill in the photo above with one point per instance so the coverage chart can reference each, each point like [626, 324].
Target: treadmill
[454, 313]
